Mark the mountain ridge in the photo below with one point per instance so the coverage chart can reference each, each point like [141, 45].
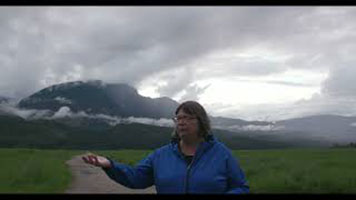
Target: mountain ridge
[97, 105]
[98, 97]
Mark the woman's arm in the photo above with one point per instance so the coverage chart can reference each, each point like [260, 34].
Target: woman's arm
[138, 177]
[237, 183]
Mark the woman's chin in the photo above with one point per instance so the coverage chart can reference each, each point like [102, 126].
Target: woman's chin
[182, 134]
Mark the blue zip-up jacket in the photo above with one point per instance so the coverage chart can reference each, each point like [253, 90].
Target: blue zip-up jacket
[212, 170]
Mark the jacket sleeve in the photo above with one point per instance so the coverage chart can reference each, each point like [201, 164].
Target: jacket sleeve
[137, 177]
[237, 183]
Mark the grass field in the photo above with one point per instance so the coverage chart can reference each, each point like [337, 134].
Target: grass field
[34, 171]
[300, 171]
[267, 171]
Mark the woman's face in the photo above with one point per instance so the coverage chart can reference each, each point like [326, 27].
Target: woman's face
[187, 125]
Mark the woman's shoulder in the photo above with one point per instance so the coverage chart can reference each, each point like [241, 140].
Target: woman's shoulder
[164, 148]
[222, 148]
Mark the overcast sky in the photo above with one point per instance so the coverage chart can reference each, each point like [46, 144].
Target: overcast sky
[254, 63]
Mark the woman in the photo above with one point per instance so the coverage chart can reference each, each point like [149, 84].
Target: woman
[193, 162]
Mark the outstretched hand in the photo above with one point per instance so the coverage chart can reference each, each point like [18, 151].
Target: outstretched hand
[96, 160]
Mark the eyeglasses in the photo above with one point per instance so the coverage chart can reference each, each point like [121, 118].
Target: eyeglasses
[185, 118]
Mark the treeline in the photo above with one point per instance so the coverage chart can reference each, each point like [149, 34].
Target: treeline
[349, 145]
[76, 134]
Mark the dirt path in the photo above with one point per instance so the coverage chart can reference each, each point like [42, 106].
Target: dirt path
[90, 179]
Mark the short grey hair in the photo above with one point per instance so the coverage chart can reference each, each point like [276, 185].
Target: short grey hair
[195, 109]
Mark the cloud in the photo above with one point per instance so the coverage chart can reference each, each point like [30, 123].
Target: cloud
[111, 120]
[63, 100]
[231, 65]
[316, 105]
[65, 112]
[118, 44]
[10, 109]
[263, 128]
[62, 112]
[340, 83]
[289, 83]
[175, 47]
[192, 92]
[156, 122]
[174, 81]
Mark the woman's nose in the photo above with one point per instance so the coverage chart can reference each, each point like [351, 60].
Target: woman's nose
[181, 122]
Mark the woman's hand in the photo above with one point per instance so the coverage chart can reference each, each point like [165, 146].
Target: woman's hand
[96, 160]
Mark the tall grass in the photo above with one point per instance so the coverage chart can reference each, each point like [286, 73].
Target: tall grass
[267, 171]
[312, 171]
[34, 171]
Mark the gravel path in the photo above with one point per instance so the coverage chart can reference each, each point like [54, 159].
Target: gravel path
[91, 179]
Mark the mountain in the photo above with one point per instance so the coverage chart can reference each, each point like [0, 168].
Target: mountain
[96, 97]
[106, 102]
[235, 124]
[321, 130]
[333, 128]
[4, 99]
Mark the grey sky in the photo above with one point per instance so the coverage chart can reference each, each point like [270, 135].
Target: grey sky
[181, 52]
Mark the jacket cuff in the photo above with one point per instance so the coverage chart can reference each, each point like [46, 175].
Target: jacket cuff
[111, 165]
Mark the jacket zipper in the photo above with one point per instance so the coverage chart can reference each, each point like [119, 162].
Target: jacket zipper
[187, 176]
[186, 182]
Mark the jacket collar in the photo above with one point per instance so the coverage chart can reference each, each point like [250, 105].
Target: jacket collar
[210, 140]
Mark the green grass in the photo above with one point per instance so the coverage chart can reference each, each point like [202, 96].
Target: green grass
[34, 171]
[267, 171]
[316, 171]
[313, 171]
